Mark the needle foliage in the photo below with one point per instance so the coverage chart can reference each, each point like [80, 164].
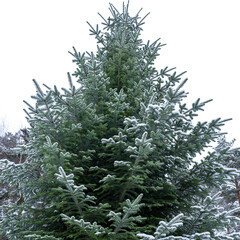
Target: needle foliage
[114, 155]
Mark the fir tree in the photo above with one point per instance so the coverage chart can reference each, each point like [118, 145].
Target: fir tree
[8, 144]
[113, 156]
[230, 189]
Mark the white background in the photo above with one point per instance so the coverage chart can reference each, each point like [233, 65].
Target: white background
[202, 36]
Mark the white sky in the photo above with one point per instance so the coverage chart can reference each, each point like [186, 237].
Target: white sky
[202, 36]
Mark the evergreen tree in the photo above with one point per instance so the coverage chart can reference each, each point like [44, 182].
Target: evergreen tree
[230, 190]
[113, 156]
[8, 142]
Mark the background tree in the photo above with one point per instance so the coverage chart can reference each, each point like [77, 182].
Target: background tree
[230, 190]
[113, 156]
[8, 143]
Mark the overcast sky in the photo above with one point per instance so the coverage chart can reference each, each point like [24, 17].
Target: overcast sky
[202, 37]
